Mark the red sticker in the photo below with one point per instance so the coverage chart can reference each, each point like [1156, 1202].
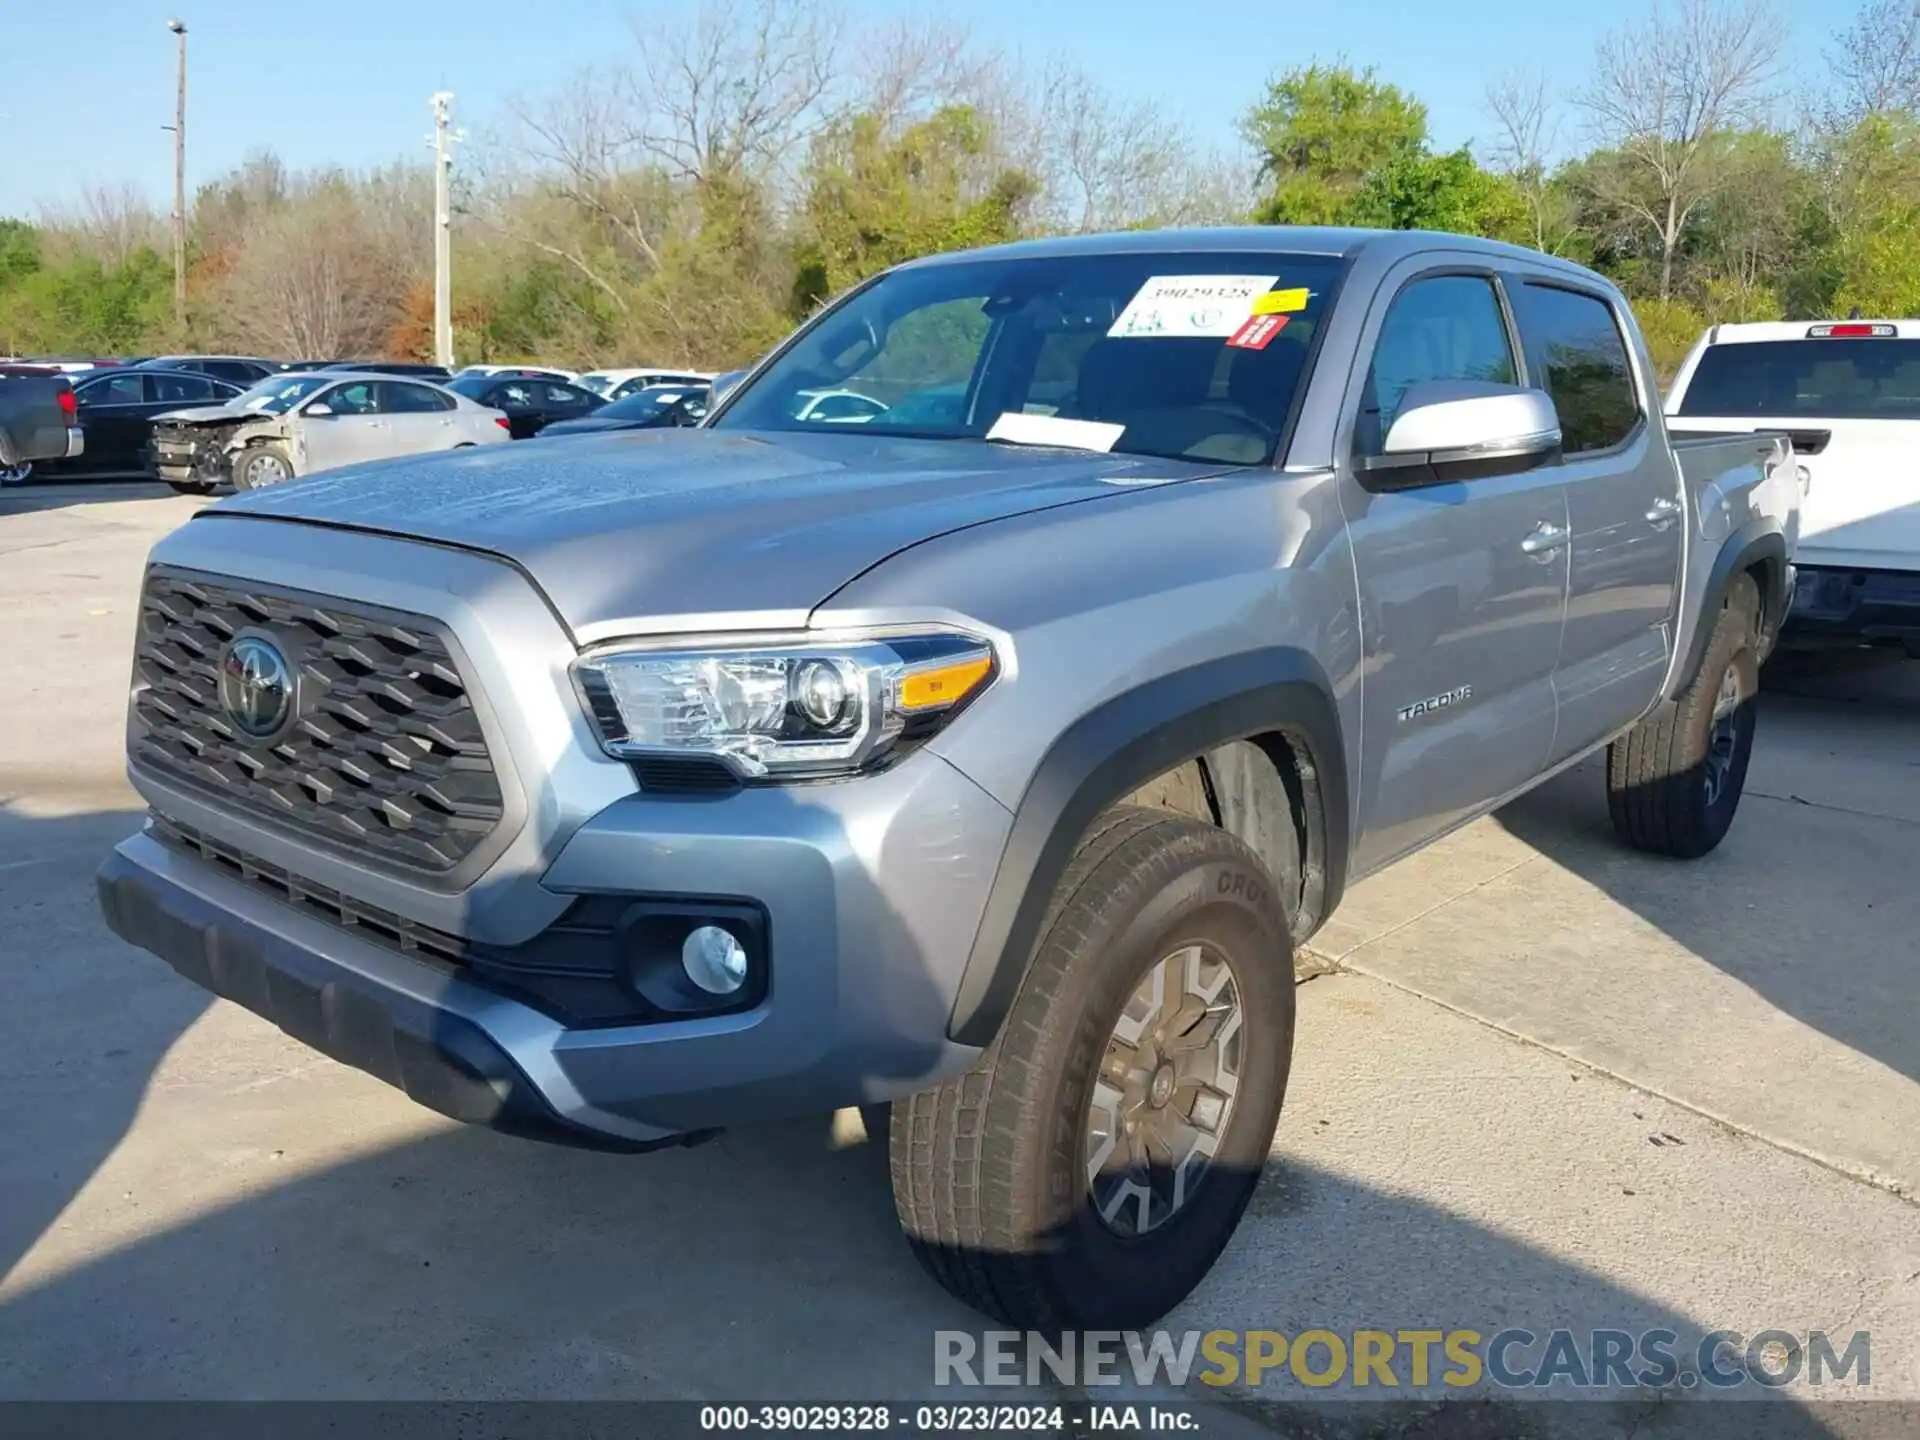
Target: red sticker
[1255, 334]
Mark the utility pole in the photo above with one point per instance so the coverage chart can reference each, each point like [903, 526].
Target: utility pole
[179, 128]
[443, 230]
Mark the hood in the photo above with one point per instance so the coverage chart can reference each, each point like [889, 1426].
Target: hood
[213, 415]
[649, 531]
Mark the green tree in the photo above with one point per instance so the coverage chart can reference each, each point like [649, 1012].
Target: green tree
[874, 198]
[1320, 131]
[1414, 190]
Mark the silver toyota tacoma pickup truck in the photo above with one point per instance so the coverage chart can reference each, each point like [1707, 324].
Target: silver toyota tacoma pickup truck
[987, 751]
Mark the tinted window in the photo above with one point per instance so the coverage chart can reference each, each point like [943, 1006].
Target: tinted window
[1808, 379]
[239, 371]
[116, 390]
[1588, 374]
[565, 397]
[1448, 327]
[186, 389]
[353, 398]
[1158, 348]
[398, 398]
[516, 396]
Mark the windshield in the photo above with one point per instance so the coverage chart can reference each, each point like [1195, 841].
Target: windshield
[1187, 356]
[1874, 379]
[471, 386]
[281, 393]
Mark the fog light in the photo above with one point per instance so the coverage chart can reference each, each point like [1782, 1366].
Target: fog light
[714, 960]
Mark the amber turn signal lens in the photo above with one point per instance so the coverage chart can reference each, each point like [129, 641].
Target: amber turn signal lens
[942, 686]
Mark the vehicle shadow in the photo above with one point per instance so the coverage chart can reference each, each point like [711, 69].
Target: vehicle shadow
[57, 493]
[315, 1236]
[1809, 901]
[81, 1031]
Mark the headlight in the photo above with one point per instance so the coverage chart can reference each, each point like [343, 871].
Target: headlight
[814, 706]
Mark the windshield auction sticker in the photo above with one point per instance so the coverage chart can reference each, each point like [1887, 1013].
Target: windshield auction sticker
[1190, 305]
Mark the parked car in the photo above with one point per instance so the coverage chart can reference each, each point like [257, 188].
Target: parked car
[618, 384]
[656, 408]
[117, 408]
[530, 405]
[991, 768]
[412, 369]
[519, 372]
[841, 407]
[1848, 391]
[300, 423]
[38, 421]
[242, 370]
[725, 381]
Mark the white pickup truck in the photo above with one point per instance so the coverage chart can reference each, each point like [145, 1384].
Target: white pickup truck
[1848, 392]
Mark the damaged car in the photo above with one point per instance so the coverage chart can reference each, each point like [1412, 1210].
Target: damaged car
[296, 424]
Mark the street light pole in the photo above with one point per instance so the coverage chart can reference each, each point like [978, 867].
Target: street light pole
[442, 231]
[180, 185]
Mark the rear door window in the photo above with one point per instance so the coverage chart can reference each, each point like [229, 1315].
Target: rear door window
[1582, 358]
[397, 397]
[186, 389]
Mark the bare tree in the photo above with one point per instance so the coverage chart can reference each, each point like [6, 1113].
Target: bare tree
[739, 89]
[1663, 92]
[630, 151]
[324, 275]
[1875, 63]
[108, 224]
[1521, 104]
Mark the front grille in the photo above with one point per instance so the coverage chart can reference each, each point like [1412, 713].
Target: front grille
[385, 754]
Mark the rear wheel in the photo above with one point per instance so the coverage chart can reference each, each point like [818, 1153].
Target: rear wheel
[260, 466]
[16, 474]
[1675, 780]
[1088, 1171]
[190, 487]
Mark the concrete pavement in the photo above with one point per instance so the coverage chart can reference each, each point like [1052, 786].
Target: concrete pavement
[197, 1206]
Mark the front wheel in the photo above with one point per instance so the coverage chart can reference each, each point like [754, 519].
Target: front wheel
[1675, 779]
[261, 466]
[1089, 1170]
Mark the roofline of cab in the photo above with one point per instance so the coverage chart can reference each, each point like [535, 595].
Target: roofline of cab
[1343, 243]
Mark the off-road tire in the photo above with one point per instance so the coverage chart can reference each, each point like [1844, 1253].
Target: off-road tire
[18, 474]
[990, 1168]
[244, 461]
[1657, 788]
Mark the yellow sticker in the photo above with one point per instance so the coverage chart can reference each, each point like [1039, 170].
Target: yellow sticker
[1282, 302]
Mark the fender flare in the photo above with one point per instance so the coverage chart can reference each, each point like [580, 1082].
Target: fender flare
[1768, 550]
[1113, 750]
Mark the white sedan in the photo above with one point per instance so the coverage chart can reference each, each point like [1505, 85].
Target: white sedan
[297, 424]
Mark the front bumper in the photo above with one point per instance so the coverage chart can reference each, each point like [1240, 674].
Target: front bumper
[872, 893]
[1854, 607]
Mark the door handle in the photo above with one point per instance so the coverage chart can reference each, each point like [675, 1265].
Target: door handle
[1546, 541]
[1663, 512]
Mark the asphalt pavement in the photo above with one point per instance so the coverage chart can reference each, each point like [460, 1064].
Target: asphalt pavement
[1549, 1083]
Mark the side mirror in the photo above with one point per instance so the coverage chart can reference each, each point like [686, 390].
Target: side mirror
[1450, 430]
[319, 410]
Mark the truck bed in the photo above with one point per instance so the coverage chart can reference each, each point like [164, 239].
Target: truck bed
[1735, 481]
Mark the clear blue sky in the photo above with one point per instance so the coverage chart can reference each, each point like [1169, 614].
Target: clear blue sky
[346, 82]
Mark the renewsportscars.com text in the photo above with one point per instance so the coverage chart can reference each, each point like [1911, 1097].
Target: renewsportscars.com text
[1378, 1360]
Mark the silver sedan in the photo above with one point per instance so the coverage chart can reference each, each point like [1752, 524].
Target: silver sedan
[297, 424]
